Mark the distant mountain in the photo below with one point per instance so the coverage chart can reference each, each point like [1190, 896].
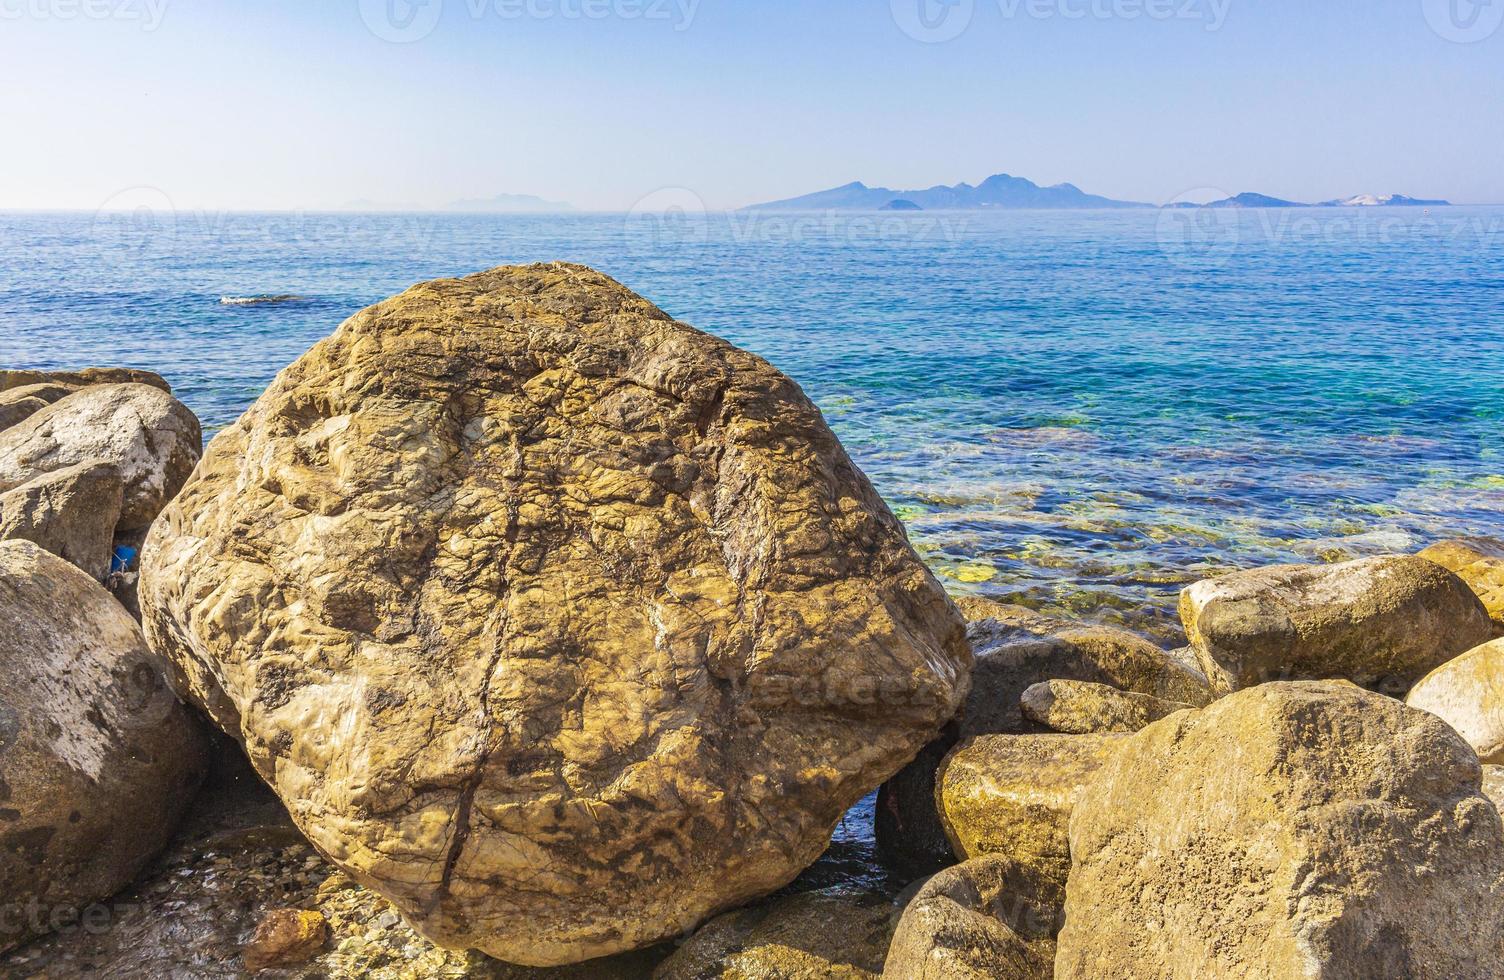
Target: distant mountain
[1248, 199]
[999, 191]
[1385, 201]
[509, 203]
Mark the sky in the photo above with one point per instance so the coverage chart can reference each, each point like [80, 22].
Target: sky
[311, 104]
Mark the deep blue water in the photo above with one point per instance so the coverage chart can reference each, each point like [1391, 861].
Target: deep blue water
[1079, 410]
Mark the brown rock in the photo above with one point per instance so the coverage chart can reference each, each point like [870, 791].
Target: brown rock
[1016, 648]
[1480, 563]
[71, 512]
[1493, 785]
[836, 934]
[151, 437]
[97, 758]
[561, 624]
[10, 380]
[1290, 830]
[19, 404]
[1468, 694]
[1380, 622]
[1083, 708]
[989, 918]
[284, 938]
[1013, 795]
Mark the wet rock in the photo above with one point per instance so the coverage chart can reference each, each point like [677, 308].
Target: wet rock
[285, 938]
[1380, 622]
[1083, 708]
[1013, 795]
[97, 757]
[1480, 563]
[151, 437]
[983, 919]
[586, 627]
[1016, 648]
[11, 379]
[1291, 830]
[1468, 694]
[836, 934]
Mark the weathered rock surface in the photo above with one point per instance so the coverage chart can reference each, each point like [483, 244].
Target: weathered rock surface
[151, 437]
[1380, 622]
[1493, 785]
[19, 404]
[71, 512]
[989, 918]
[12, 379]
[1480, 563]
[1468, 694]
[286, 938]
[97, 757]
[558, 622]
[1083, 708]
[836, 934]
[1016, 648]
[1291, 830]
[1013, 795]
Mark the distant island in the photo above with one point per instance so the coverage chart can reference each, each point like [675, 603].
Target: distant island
[1004, 191]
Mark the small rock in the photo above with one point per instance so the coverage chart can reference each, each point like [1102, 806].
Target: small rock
[1468, 694]
[1083, 708]
[1013, 795]
[835, 934]
[1480, 563]
[1379, 622]
[983, 919]
[285, 937]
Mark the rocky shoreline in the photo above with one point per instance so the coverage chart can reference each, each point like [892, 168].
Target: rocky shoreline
[522, 631]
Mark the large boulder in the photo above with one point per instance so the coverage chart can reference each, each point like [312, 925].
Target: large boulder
[151, 437]
[19, 404]
[1380, 622]
[1306, 829]
[1016, 648]
[1083, 708]
[1013, 795]
[1480, 563]
[558, 622]
[97, 757]
[13, 379]
[71, 512]
[834, 934]
[989, 918]
[1468, 694]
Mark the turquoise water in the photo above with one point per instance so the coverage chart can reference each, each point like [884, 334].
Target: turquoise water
[1081, 411]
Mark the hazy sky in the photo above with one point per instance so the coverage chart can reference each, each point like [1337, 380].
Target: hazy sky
[315, 103]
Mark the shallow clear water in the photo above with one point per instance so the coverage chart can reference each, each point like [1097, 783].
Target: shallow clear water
[1078, 410]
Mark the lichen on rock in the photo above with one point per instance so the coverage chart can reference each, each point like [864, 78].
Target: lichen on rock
[560, 623]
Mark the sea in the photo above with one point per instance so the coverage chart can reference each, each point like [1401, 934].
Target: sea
[1080, 411]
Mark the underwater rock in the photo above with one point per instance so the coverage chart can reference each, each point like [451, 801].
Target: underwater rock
[1380, 622]
[98, 759]
[560, 623]
[1305, 829]
[285, 938]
